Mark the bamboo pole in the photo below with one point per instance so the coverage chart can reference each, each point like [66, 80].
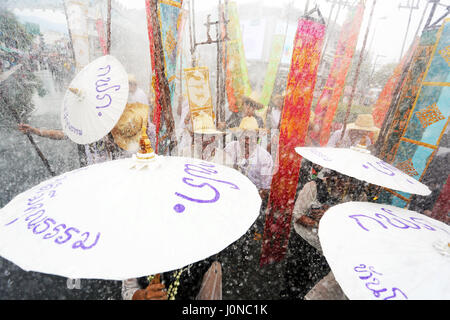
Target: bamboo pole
[108, 29]
[30, 138]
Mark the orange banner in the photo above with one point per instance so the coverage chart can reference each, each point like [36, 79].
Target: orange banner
[293, 129]
[334, 87]
[385, 98]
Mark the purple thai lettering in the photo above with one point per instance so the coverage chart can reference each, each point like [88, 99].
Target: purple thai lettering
[46, 187]
[361, 266]
[81, 243]
[214, 199]
[107, 68]
[209, 165]
[98, 87]
[41, 212]
[371, 268]
[364, 216]
[187, 170]
[34, 207]
[320, 154]
[107, 104]
[32, 201]
[426, 226]
[57, 229]
[366, 277]
[401, 226]
[106, 82]
[45, 222]
[375, 292]
[397, 218]
[52, 193]
[11, 222]
[394, 290]
[67, 233]
[379, 163]
[201, 170]
[371, 271]
[36, 221]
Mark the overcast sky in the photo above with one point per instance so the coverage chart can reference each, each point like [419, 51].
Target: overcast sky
[388, 26]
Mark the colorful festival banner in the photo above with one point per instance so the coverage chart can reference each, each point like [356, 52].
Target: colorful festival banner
[294, 125]
[170, 21]
[386, 95]
[409, 89]
[101, 35]
[272, 68]
[199, 91]
[334, 87]
[428, 118]
[77, 15]
[163, 36]
[237, 83]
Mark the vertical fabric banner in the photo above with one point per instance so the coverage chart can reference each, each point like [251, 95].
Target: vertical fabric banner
[163, 22]
[293, 128]
[77, 15]
[272, 68]
[170, 21]
[199, 91]
[236, 83]
[334, 87]
[101, 35]
[428, 118]
[408, 94]
[386, 95]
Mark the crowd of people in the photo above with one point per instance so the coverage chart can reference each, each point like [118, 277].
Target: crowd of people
[201, 138]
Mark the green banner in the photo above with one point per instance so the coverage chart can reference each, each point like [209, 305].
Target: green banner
[237, 83]
[272, 68]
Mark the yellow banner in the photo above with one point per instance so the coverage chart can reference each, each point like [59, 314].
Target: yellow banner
[199, 91]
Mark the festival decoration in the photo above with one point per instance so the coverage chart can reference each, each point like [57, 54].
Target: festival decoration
[162, 23]
[237, 82]
[387, 94]
[272, 68]
[77, 224]
[427, 120]
[363, 166]
[409, 89]
[95, 100]
[334, 87]
[199, 91]
[293, 128]
[77, 14]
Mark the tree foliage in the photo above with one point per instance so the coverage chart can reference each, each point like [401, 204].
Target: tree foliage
[17, 90]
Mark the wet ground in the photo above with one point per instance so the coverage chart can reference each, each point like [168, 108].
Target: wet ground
[243, 278]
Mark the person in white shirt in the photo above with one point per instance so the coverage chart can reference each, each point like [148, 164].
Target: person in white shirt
[136, 94]
[252, 160]
[355, 133]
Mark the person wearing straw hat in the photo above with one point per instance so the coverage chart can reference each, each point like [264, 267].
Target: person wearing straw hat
[249, 106]
[127, 132]
[250, 158]
[123, 138]
[355, 133]
[206, 138]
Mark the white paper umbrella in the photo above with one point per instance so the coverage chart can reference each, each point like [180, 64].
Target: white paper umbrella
[382, 252]
[95, 100]
[364, 167]
[110, 221]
